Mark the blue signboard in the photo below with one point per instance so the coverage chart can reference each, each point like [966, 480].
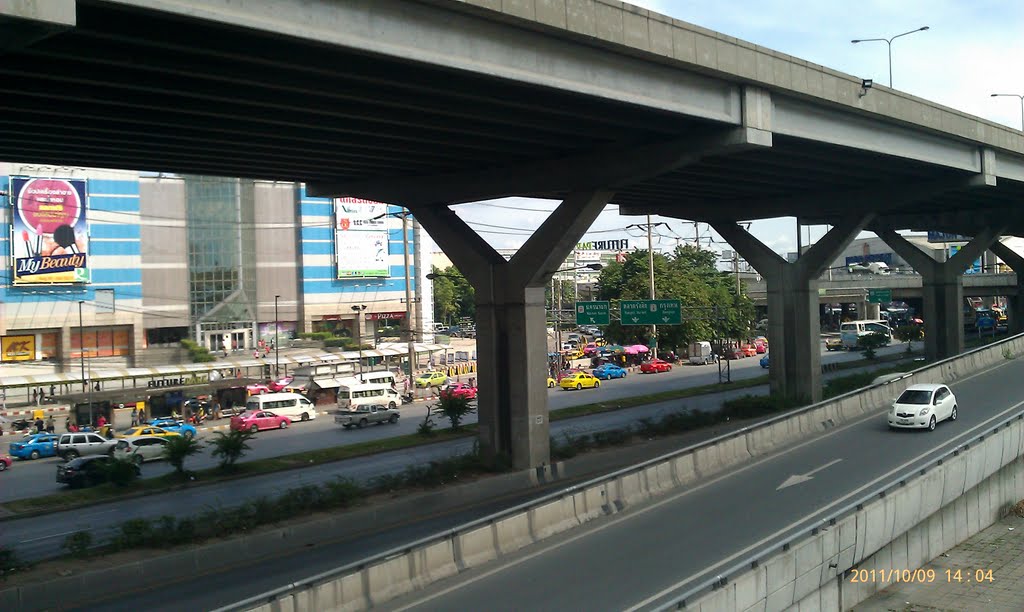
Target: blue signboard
[975, 267]
[944, 237]
[885, 258]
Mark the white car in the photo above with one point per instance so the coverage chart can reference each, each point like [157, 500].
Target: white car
[140, 448]
[923, 406]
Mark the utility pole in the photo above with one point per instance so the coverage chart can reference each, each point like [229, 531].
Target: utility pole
[650, 266]
[81, 353]
[408, 294]
[736, 270]
[558, 324]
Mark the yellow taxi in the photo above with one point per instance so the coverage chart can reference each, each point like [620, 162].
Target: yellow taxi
[601, 342]
[579, 380]
[431, 379]
[552, 383]
[573, 354]
[146, 430]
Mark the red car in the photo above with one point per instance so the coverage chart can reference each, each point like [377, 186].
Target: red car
[654, 366]
[459, 390]
[748, 350]
[5, 462]
[255, 420]
[280, 384]
[257, 389]
[734, 353]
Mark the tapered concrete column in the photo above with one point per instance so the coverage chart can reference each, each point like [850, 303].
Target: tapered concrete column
[510, 321]
[794, 326]
[1015, 301]
[941, 288]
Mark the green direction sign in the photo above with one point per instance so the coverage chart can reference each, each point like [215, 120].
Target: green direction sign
[879, 296]
[592, 313]
[650, 312]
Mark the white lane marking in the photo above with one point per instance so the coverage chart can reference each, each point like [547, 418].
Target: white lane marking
[798, 478]
[614, 521]
[54, 535]
[902, 468]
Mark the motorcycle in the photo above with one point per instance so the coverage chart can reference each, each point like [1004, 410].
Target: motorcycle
[408, 398]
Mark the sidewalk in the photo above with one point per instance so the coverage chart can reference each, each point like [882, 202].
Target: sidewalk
[999, 549]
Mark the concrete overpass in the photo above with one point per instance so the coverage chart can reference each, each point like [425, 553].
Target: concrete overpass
[854, 288]
[432, 103]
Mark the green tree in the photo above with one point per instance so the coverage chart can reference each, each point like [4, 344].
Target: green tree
[178, 449]
[230, 447]
[711, 305]
[454, 297]
[869, 343]
[454, 408]
[909, 334]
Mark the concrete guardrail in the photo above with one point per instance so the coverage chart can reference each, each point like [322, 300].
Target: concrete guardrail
[391, 574]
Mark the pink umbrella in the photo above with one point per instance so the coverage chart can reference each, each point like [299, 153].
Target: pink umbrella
[638, 348]
[630, 350]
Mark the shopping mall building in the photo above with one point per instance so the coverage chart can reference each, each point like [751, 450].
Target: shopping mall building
[114, 262]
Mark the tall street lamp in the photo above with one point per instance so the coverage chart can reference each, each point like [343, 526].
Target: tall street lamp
[359, 308]
[1021, 106]
[410, 338]
[81, 354]
[888, 42]
[277, 341]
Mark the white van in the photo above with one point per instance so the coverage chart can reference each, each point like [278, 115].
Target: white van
[377, 377]
[851, 331]
[367, 394]
[292, 405]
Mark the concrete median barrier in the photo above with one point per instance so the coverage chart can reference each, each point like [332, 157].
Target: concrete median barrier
[513, 533]
[659, 477]
[388, 579]
[683, 469]
[630, 490]
[475, 547]
[591, 503]
[433, 562]
[552, 518]
[344, 594]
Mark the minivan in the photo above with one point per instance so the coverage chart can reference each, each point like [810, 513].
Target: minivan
[377, 377]
[367, 394]
[292, 405]
[852, 331]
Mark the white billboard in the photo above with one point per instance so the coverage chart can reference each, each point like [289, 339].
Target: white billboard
[361, 238]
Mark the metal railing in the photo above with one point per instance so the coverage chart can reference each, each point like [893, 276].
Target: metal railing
[355, 566]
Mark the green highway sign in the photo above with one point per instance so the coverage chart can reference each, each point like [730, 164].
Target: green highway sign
[650, 312]
[592, 313]
[879, 296]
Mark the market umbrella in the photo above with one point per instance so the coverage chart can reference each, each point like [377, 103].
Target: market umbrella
[638, 348]
[614, 348]
[630, 350]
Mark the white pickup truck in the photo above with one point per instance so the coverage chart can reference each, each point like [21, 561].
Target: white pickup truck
[361, 416]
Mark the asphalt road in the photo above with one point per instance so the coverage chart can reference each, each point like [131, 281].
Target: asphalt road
[623, 562]
[38, 538]
[36, 478]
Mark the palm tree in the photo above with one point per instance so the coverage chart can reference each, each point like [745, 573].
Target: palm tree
[177, 449]
[230, 446]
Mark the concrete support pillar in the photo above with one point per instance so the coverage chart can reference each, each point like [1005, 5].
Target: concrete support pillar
[942, 288]
[510, 321]
[794, 327]
[1015, 301]
[872, 311]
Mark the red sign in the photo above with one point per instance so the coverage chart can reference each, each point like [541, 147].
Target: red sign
[379, 316]
[330, 317]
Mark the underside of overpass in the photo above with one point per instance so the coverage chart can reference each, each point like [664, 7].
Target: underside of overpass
[429, 104]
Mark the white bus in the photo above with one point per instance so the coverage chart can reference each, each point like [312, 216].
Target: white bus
[377, 377]
[851, 331]
[292, 405]
[367, 394]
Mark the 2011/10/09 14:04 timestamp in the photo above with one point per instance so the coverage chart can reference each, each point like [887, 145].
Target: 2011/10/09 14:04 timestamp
[923, 576]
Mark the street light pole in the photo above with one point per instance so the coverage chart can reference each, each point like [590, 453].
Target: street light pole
[888, 42]
[81, 354]
[1021, 97]
[277, 340]
[359, 308]
[408, 294]
[650, 266]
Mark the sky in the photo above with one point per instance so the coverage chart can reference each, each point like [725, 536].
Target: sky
[973, 48]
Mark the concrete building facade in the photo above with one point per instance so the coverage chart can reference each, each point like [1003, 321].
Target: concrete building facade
[225, 262]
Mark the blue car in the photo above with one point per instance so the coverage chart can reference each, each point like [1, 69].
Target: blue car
[608, 371]
[171, 424]
[34, 447]
[764, 361]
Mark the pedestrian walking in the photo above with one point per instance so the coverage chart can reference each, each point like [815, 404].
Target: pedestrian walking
[135, 417]
[49, 424]
[53, 390]
[35, 397]
[40, 426]
[100, 422]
